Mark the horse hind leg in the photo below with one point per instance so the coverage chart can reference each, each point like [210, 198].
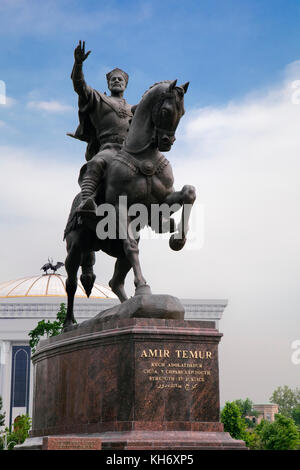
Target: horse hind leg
[132, 253]
[72, 264]
[122, 267]
[88, 277]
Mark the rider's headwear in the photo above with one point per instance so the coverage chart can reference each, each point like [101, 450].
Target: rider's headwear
[124, 74]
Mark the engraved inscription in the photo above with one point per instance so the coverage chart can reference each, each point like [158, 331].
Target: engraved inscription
[181, 369]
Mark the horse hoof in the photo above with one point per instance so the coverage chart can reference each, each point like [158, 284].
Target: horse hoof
[69, 324]
[168, 225]
[87, 280]
[144, 289]
[176, 244]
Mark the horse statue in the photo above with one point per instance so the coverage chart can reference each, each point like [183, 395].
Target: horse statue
[140, 172]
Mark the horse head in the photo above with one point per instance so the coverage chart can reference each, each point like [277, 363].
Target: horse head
[166, 115]
[156, 117]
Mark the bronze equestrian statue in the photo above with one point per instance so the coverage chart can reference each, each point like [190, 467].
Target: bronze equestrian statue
[139, 171]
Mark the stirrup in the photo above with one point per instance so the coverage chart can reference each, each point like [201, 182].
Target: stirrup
[87, 207]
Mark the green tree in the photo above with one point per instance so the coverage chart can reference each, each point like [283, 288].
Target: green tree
[233, 421]
[246, 408]
[2, 415]
[18, 434]
[296, 415]
[282, 434]
[286, 399]
[253, 440]
[22, 425]
[47, 328]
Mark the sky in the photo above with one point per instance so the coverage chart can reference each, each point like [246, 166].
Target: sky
[238, 144]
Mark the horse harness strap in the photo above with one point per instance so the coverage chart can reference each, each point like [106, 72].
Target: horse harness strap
[146, 167]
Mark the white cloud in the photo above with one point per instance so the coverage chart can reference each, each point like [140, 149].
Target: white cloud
[34, 185]
[42, 18]
[8, 101]
[36, 193]
[49, 106]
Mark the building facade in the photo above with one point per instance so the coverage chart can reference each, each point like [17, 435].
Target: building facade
[266, 411]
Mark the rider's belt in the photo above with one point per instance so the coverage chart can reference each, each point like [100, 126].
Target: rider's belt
[146, 167]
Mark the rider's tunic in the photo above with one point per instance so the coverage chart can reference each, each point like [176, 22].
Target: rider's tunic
[103, 123]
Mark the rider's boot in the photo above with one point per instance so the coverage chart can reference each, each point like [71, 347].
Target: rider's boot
[88, 205]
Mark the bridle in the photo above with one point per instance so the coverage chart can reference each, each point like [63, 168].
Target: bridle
[158, 130]
[157, 115]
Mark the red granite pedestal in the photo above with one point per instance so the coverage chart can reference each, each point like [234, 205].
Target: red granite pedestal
[136, 383]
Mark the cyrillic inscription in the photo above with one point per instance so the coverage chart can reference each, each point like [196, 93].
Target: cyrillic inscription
[174, 374]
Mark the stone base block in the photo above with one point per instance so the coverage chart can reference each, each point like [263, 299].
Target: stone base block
[136, 383]
[138, 440]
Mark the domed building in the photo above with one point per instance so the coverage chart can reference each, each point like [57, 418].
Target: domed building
[23, 303]
[49, 285]
[26, 301]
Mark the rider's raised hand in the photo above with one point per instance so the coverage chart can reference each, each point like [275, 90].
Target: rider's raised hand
[79, 53]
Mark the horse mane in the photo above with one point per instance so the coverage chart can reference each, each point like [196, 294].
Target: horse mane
[140, 135]
[155, 84]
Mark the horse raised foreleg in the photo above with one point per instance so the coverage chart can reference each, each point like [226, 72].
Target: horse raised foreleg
[72, 264]
[186, 197]
[122, 267]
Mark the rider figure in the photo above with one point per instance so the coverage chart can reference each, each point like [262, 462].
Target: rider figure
[103, 123]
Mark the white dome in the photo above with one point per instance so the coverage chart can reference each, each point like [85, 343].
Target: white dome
[49, 285]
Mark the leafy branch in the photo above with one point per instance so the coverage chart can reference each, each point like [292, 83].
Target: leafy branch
[47, 328]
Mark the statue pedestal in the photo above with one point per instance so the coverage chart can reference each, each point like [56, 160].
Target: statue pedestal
[136, 383]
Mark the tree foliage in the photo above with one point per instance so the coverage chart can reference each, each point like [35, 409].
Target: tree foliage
[17, 434]
[245, 406]
[296, 415]
[253, 440]
[233, 421]
[47, 328]
[2, 415]
[282, 434]
[22, 425]
[286, 399]
[246, 409]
